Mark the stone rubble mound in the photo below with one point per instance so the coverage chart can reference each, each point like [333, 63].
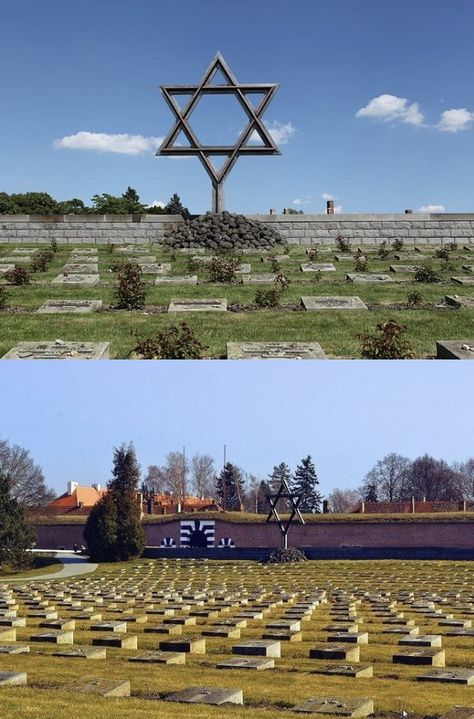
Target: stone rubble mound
[223, 231]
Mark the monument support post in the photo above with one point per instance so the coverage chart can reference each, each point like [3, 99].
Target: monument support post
[218, 197]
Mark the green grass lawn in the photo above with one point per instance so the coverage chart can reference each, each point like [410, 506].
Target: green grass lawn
[337, 331]
[40, 565]
[393, 688]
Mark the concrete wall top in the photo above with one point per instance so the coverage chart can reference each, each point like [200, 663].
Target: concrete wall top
[368, 217]
[159, 219]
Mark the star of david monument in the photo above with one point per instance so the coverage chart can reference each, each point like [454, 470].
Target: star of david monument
[293, 499]
[255, 131]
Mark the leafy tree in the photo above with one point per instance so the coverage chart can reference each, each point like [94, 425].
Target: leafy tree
[28, 485]
[16, 536]
[343, 500]
[72, 207]
[230, 488]
[6, 204]
[174, 207]
[34, 203]
[371, 493]
[432, 479]
[113, 531]
[465, 472]
[155, 479]
[203, 473]
[306, 482]
[175, 475]
[389, 477]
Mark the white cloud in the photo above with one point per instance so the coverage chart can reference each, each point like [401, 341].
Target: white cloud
[455, 120]
[281, 133]
[302, 200]
[337, 209]
[124, 144]
[326, 196]
[156, 203]
[432, 208]
[390, 107]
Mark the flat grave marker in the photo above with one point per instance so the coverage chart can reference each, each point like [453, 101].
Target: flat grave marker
[455, 675]
[82, 653]
[262, 648]
[103, 687]
[176, 280]
[198, 305]
[76, 268]
[72, 306]
[317, 267]
[317, 303]
[455, 349]
[407, 269]
[122, 641]
[264, 278]
[337, 707]
[246, 663]
[274, 350]
[207, 695]
[76, 280]
[461, 280]
[357, 671]
[432, 657]
[191, 645]
[58, 350]
[13, 679]
[155, 268]
[368, 277]
[157, 657]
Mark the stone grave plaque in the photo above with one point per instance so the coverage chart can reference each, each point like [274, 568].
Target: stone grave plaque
[82, 653]
[103, 687]
[76, 268]
[58, 349]
[24, 250]
[207, 695]
[332, 303]
[357, 671]
[122, 641]
[317, 267]
[140, 259]
[368, 277]
[349, 637]
[263, 648]
[75, 280]
[289, 625]
[191, 645]
[13, 622]
[191, 250]
[342, 628]
[422, 640]
[245, 268]
[466, 268]
[16, 260]
[455, 349]
[349, 257]
[406, 631]
[246, 663]
[432, 657]
[120, 627]
[282, 636]
[88, 251]
[278, 258]
[411, 256]
[155, 268]
[198, 305]
[61, 624]
[460, 280]
[164, 629]
[228, 632]
[459, 301]
[54, 637]
[346, 652]
[154, 657]
[14, 649]
[275, 350]
[8, 635]
[183, 621]
[93, 617]
[455, 675]
[4, 268]
[337, 707]
[404, 269]
[73, 306]
[132, 250]
[13, 679]
[261, 279]
[176, 280]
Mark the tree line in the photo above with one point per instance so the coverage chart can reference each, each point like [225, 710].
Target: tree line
[42, 203]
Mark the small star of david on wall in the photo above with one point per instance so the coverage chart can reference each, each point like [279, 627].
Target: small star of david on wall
[243, 146]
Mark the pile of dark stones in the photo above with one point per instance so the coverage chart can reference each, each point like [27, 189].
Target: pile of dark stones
[223, 231]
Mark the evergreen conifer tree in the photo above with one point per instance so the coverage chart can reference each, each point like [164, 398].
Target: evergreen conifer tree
[114, 531]
[175, 207]
[371, 493]
[230, 488]
[280, 472]
[16, 536]
[306, 482]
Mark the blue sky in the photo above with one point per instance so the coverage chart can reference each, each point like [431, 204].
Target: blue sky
[346, 415]
[375, 106]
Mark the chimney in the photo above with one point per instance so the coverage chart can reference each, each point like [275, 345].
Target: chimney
[413, 505]
[408, 212]
[325, 506]
[362, 507]
[149, 506]
[330, 207]
[71, 487]
[273, 211]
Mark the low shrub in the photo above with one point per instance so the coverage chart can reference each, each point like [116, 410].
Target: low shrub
[414, 299]
[286, 556]
[40, 262]
[361, 264]
[398, 245]
[313, 254]
[275, 265]
[426, 274]
[110, 248]
[383, 251]
[343, 244]
[131, 290]
[442, 254]
[175, 342]
[222, 269]
[54, 246]
[3, 297]
[389, 343]
[18, 276]
[268, 298]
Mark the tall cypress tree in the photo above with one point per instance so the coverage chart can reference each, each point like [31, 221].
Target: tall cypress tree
[16, 536]
[306, 482]
[114, 531]
[230, 488]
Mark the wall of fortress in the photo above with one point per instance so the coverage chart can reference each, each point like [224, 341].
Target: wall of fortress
[413, 229]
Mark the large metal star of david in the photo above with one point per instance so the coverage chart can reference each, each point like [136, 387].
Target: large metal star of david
[294, 498]
[243, 146]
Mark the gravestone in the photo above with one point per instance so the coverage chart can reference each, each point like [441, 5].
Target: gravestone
[422, 640]
[4, 268]
[243, 269]
[75, 280]
[274, 350]
[432, 657]
[164, 629]
[76, 268]
[456, 675]
[263, 648]
[155, 268]
[337, 707]
[55, 637]
[260, 279]
[72, 306]
[25, 250]
[357, 671]
[278, 258]
[103, 687]
[8, 635]
[154, 657]
[189, 645]
[207, 695]
[227, 632]
[176, 280]
[346, 652]
[349, 637]
[61, 624]
[84, 251]
[16, 260]
[109, 627]
[58, 349]
[460, 280]
[317, 267]
[332, 303]
[404, 268]
[246, 663]
[122, 641]
[13, 679]
[14, 649]
[368, 278]
[455, 349]
[198, 305]
[82, 653]
[466, 268]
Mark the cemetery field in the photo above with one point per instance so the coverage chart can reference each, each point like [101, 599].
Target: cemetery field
[385, 294]
[370, 638]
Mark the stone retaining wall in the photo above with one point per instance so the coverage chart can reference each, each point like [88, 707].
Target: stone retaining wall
[419, 229]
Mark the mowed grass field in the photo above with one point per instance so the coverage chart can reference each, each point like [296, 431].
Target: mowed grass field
[337, 331]
[367, 593]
